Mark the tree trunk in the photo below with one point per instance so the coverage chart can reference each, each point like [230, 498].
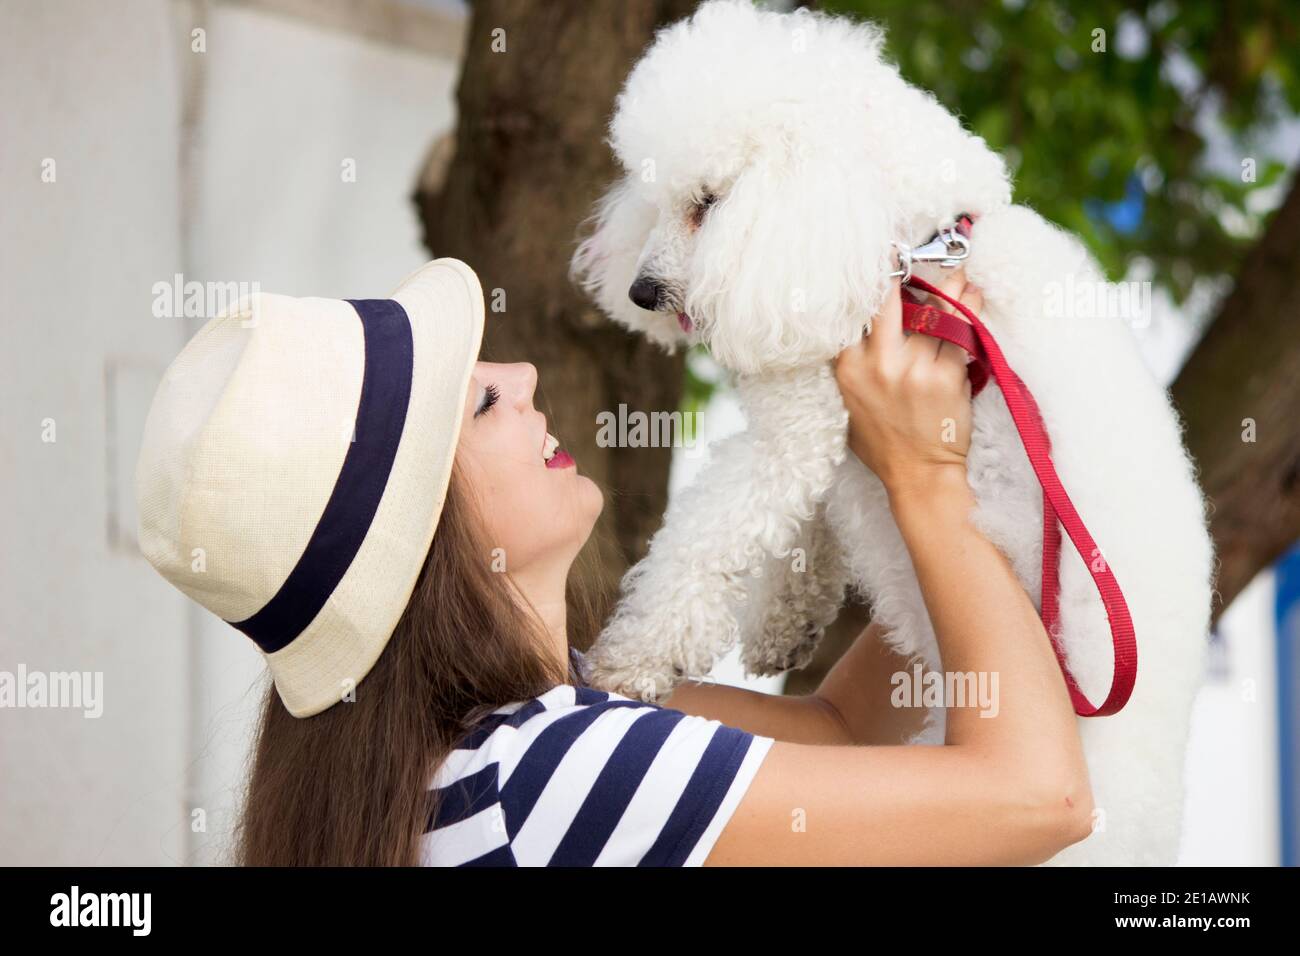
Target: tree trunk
[527, 161]
[1243, 382]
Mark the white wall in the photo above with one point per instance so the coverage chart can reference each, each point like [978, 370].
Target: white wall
[223, 166]
[1233, 812]
[78, 257]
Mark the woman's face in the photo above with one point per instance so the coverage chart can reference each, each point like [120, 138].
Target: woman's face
[537, 514]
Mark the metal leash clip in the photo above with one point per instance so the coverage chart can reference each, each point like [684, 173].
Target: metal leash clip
[948, 248]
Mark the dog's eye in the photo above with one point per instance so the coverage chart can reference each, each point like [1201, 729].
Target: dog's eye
[701, 206]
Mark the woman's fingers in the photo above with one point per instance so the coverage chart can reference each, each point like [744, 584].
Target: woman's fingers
[883, 336]
[951, 355]
[951, 283]
[955, 285]
[887, 334]
[887, 326]
[972, 298]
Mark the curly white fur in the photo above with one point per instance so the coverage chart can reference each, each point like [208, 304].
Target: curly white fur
[819, 155]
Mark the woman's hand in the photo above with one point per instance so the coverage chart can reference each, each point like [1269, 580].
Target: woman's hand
[908, 395]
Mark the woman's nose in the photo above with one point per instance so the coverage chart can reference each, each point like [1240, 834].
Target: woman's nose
[527, 382]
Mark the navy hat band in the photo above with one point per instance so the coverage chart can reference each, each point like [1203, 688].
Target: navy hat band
[381, 417]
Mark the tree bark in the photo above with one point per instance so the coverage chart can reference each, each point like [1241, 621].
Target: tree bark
[527, 161]
[1247, 369]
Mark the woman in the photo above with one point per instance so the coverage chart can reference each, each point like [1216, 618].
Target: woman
[428, 706]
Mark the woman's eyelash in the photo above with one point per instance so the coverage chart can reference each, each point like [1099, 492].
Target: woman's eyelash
[490, 396]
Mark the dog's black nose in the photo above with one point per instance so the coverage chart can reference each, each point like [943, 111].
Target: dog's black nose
[646, 293]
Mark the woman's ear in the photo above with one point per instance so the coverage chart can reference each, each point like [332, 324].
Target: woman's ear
[798, 260]
[605, 262]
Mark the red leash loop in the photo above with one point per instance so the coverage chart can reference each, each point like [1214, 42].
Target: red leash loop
[988, 361]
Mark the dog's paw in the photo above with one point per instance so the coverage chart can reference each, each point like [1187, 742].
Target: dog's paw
[775, 653]
[636, 678]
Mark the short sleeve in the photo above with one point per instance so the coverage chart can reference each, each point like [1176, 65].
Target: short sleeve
[623, 783]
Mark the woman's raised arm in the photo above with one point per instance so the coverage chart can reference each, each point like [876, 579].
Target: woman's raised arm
[851, 706]
[1010, 787]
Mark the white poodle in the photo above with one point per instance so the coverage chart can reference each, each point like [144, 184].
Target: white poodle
[770, 161]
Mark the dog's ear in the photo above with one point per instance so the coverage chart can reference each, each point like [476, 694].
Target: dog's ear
[605, 261]
[798, 263]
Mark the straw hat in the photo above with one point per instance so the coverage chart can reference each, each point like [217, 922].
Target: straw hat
[295, 462]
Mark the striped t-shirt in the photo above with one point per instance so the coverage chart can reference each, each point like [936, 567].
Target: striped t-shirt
[581, 777]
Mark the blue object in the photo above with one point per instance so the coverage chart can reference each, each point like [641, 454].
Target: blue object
[1288, 701]
[1125, 215]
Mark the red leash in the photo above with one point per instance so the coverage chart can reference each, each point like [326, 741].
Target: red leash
[988, 361]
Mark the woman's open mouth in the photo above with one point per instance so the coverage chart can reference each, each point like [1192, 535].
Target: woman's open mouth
[554, 455]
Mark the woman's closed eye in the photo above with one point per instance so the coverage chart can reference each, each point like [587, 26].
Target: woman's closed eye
[490, 396]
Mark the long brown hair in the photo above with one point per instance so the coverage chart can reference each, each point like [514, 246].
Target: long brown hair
[349, 786]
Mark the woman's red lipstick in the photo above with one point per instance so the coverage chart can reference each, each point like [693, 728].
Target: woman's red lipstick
[561, 459]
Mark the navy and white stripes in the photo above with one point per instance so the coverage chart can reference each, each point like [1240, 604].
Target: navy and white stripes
[580, 777]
